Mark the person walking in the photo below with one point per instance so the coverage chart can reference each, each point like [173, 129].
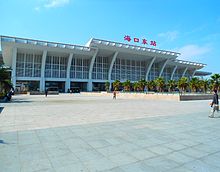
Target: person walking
[46, 92]
[114, 94]
[214, 104]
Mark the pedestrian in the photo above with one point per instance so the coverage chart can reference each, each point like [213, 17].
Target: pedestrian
[114, 94]
[46, 92]
[214, 104]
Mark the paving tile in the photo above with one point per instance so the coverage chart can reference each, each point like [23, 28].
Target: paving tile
[137, 167]
[32, 156]
[109, 150]
[161, 163]
[89, 155]
[192, 152]
[99, 164]
[179, 157]
[52, 152]
[72, 133]
[117, 169]
[122, 158]
[63, 160]
[98, 143]
[142, 154]
[161, 150]
[78, 167]
[198, 165]
[36, 165]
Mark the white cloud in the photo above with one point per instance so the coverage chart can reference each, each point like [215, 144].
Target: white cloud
[56, 3]
[193, 52]
[37, 8]
[169, 36]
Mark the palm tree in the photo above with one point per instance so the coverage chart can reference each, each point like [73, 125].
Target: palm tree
[160, 82]
[182, 84]
[204, 85]
[215, 81]
[136, 86]
[171, 85]
[116, 85]
[5, 82]
[107, 85]
[194, 84]
[127, 85]
[151, 85]
[141, 84]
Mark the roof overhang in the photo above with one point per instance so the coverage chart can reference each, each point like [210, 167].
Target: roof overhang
[202, 73]
[133, 49]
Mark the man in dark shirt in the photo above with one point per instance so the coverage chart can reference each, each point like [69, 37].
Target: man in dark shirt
[214, 104]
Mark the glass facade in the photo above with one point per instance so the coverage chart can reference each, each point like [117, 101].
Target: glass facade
[28, 65]
[56, 67]
[178, 74]
[100, 68]
[133, 70]
[166, 74]
[154, 72]
[79, 68]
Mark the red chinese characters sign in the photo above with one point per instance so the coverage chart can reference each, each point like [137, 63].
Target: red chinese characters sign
[142, 41]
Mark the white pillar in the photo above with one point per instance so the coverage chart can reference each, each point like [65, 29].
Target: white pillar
[67, 83]
[162, 68]
[149, 67]
[184, 72]
[13, 73]
[89, 84]
[110, 68]
[174, 70]
[42, 78]
[193, 73]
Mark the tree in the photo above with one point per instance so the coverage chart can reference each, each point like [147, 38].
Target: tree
[107, 85]
[160, 83]
[183, 84]
[194, 84]
[171, 85]
[127, 85]
[5, 81]
[215, 81]
[116, 85]
[204, 85]
[141, 84]
[136, 86]
[151, 85]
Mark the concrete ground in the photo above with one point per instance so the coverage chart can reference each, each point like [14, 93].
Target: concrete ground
[82, 133]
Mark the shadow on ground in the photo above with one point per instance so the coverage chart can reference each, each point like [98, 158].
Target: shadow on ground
[1, 109]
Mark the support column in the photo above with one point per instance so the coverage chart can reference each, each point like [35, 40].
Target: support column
[174, 70]
[13, 73]
[193, 73]
[149, 67]
[110, 68]
[184, 72]
[42, 78]
[67, 82]
[163, 66]
[89, 84]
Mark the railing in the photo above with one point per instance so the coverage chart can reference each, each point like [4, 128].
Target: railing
[43, 43]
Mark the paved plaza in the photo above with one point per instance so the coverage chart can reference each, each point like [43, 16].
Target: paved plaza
[83, 133]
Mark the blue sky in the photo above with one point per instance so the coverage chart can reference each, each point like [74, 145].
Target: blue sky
[189, 27]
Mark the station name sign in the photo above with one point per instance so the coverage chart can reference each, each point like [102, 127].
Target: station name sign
[141, 41]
